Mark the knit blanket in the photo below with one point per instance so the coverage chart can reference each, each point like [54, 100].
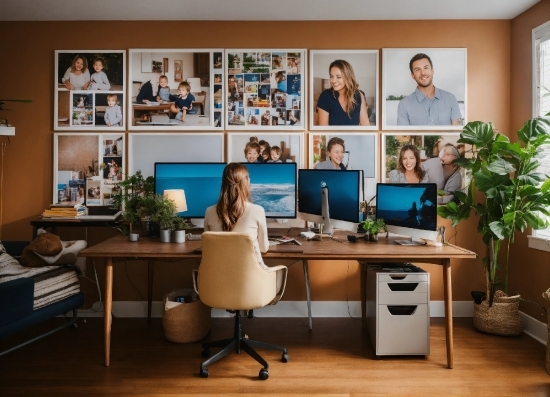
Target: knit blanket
[51, 283]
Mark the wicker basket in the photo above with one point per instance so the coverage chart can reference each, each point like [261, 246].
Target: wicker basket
[500, 319]
[185, 322]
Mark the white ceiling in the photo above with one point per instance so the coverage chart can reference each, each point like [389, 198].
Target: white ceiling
[259, 10]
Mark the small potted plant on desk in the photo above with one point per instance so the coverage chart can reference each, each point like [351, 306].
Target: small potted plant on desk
[372, 228]
[161, 211]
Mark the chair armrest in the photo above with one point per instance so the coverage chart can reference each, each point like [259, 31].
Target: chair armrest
[282, 273]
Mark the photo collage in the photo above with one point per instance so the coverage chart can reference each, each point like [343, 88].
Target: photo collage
[264, 89]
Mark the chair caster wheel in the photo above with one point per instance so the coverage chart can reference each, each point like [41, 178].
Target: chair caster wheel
[264, 374]
[204, 373]
[205, 353]
[284, 359]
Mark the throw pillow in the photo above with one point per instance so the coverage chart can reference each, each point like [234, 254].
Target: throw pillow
[44, 244]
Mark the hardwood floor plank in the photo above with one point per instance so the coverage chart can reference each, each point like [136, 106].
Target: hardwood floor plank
[336, 358]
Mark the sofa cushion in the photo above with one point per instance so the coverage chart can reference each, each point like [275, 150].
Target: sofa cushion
[16, 300]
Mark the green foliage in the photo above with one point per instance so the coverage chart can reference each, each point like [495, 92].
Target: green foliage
[179, 223]
[395, 98]
[392, 145]
[134, 196]
[373, 226]
[515, 194]
[161, 210]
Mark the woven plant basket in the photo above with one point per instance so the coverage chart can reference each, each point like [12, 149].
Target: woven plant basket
[546, 297]
[500, 319]
[185, 322]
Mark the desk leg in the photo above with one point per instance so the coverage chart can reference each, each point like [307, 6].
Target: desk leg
[308, 296]
[150, 273]
[448, 295]
[108, 305]
[363, 288]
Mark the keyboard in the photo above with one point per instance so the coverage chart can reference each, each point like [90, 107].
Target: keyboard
[194, 237]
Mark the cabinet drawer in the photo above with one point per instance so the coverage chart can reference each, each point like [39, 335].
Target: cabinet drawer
[413, 277]
[419, 294]
[401, 333]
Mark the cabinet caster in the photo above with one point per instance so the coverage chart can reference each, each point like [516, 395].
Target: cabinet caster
[264, 374]
[204, 372]
[284, 358]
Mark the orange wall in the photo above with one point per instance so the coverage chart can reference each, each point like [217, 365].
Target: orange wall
[27, 71]
[529, 268]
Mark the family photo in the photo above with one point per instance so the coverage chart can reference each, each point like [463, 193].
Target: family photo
[344, 89]
[172, 89]
[426, 158]
[265, 148]
[89, 90]
[424, 88]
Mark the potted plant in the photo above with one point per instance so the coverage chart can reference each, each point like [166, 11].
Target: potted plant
[179, 225]
[372, 227]
[133, 194]
[514, 195]
[161, 210]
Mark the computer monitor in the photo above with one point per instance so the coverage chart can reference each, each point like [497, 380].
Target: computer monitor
[273, 186]
[200, 181]
[330, 197]
[408, 209]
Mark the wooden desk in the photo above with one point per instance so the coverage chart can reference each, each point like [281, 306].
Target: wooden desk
[384, 250]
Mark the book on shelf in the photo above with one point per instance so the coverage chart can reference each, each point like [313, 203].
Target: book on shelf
[64, 212]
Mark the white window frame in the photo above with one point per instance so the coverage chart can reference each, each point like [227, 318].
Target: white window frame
[539, 239]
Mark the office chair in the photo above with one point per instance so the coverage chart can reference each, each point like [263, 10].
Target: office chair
[230, 277]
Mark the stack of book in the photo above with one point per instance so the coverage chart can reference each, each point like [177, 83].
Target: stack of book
[62, 212]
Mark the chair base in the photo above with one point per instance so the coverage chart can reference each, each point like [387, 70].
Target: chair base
[238, 343]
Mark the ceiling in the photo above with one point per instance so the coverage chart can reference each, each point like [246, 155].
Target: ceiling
[259, 10]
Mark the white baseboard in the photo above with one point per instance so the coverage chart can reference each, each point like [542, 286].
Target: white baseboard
[281, 309]
[532, 327]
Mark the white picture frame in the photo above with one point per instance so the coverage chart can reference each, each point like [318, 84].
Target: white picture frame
[80, 107]
[361, 154]
[365, 66]
[449, 74]
[265, 89]
[290, 143]
[87, 167]
[197, 67]
[144, 149]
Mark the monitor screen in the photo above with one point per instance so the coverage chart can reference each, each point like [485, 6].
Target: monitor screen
[409, 206]
[200, 181]
[273, 186]
[344, 193]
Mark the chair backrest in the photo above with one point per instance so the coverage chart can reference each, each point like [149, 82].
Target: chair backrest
[230, 275]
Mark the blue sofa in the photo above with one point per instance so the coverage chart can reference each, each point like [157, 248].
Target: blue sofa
[16, 304]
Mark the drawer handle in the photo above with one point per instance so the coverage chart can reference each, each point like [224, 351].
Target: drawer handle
[402, 286]
[398, 277]
[402, 310]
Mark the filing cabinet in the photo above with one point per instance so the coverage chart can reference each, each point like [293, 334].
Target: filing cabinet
[398, 309]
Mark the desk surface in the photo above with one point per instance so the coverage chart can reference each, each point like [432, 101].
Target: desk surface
[337, 248]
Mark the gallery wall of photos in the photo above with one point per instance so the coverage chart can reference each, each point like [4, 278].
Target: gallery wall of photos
[206, 104]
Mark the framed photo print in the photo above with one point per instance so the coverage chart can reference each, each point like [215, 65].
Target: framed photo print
[357, 151]
[174, 89]
[145, 149]
[89, 90]
[424, 88]
[87, 167]
[264, 89]
[331, 72]
[436, 151]
[245, 147]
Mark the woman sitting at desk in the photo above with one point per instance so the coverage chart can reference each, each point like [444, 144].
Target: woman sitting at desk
[235, 213]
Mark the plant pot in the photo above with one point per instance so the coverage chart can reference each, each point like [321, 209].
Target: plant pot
[500, 319]
[373, 237]
[547, 307]
[165, 236]
[179, 236]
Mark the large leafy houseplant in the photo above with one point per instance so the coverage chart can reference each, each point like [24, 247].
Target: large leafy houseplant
[135, 196]
[514, 193]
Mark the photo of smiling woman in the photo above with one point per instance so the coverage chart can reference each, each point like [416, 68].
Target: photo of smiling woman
[409, 168]
[334, 155]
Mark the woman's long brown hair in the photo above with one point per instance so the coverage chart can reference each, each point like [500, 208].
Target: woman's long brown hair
[351, 83]
[235, 192]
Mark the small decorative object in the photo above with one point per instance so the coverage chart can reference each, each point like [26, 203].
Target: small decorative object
[133, 237]
[373, 227]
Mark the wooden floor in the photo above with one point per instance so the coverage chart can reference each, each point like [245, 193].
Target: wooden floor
[336, 358]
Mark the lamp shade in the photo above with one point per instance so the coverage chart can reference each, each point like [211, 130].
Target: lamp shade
[178, 196]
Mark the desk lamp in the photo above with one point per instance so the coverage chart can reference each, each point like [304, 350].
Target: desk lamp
[178, 197]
